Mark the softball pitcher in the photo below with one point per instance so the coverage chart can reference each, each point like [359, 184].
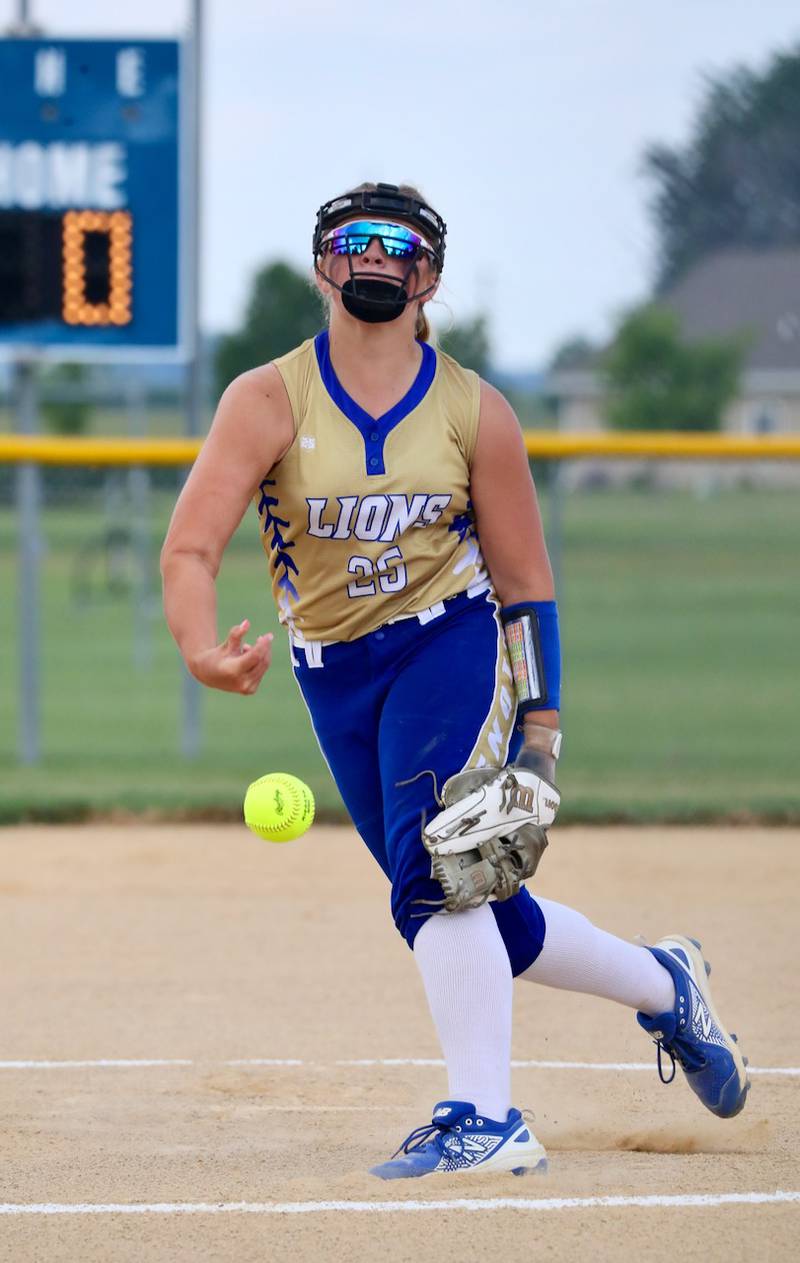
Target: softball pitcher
[409, 568]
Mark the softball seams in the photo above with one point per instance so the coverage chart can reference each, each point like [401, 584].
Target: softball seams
[293, 798]
[297, 794]
[291, 806]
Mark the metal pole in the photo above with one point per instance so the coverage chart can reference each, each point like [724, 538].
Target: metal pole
[194, 394]
[21, 23]
[29, 555]
[139, 493]
[28, 497]
[23, 26]
[194, 379]
[555, 533]
[555, 518]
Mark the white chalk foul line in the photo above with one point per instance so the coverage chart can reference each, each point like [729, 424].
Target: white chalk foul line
[102, 1063]
[128, 1063]
[618, 1066]
[330, 1109]
[405, 1207]
[267, 1061]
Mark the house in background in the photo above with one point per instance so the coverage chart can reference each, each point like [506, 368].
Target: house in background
[755, 293]
[728, 293]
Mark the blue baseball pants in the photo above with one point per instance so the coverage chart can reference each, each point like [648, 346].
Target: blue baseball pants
[414, 697]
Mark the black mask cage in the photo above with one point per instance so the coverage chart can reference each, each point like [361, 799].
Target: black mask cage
[386, 201]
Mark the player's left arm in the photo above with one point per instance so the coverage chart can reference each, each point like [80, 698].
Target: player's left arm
[507, 517]
[506, 508]
[492, 830]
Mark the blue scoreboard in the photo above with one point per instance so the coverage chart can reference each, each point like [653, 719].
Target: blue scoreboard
[89, 196]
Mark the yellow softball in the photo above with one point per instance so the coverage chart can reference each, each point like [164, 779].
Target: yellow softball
[278, 807]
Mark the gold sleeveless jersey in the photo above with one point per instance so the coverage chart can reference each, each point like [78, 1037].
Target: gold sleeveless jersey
[367, 520]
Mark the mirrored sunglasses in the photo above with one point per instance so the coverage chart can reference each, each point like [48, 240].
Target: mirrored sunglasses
[398, 240]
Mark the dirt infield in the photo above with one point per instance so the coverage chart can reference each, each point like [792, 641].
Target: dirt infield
[202, 949]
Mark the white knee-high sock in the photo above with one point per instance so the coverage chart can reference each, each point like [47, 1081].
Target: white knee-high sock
[578, 957]
[467, 978]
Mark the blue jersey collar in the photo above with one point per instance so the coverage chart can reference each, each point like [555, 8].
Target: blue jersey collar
[374, 430]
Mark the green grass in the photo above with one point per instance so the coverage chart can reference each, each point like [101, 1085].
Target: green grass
[680, 621]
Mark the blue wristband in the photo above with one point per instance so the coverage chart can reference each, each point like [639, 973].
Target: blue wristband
[547, 649]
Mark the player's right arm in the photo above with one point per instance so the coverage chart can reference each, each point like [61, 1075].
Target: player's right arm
[252, 430]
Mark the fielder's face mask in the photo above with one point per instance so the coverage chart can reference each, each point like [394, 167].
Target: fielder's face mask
[347, 225]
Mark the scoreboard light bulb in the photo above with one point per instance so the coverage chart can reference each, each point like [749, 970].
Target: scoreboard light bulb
[118, 225]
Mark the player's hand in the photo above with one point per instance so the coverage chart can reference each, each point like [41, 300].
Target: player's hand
[234, 666]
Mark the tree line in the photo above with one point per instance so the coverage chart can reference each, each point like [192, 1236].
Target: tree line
[735, 184]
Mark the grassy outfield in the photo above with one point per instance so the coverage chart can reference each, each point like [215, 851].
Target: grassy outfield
[680, 621]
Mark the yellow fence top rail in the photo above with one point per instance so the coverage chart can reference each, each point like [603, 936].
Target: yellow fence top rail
[541, 444]
[51, 450]
[677, 445]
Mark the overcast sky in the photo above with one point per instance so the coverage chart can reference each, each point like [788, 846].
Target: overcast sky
[522, 122]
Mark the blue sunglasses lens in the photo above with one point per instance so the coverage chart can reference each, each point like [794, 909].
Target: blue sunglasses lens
[398, 241]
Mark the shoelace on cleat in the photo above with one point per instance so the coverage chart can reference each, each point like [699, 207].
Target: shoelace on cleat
[419, 1137]
[677, 1050]
[429, 1131]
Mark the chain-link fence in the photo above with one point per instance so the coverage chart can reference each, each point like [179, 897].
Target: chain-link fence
[680, 610]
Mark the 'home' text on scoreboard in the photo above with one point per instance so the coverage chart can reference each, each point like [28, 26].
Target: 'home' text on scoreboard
[89, 194]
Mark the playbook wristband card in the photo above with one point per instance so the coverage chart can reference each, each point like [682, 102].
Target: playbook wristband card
[531, 630]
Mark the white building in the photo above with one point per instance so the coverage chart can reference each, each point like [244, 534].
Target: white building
[756, 293]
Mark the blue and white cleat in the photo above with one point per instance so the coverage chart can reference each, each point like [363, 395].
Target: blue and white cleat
[458, 1139]
[692, 1033]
